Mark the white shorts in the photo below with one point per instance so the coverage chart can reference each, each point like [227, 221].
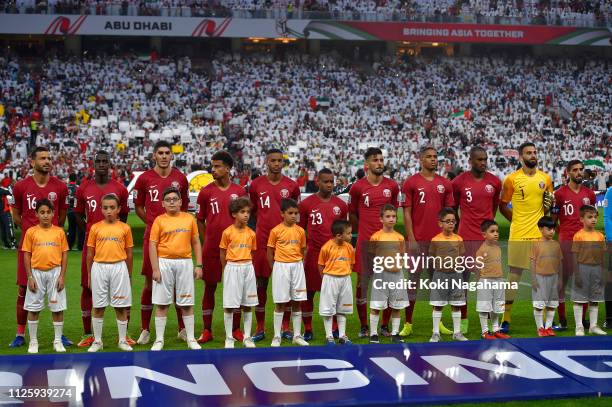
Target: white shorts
[381, 296]
[288, 282]
[177, 285]
[489, 299]
[448, 292]
[110, 284]
[547, 294]
[239, 285]
[336, 295]
[46, 281]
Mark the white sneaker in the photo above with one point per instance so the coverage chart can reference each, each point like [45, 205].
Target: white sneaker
[96, 346]
[193, 345]
[579, 331]
[300, 341]
[58, 346]
[157, 345]
[33, 348]
[123, 345]
[182, 335]
[229, 343]
[595, 329]
[144, 338]
[249, 343]
[276, 342]
[435, 338]
[459, 337]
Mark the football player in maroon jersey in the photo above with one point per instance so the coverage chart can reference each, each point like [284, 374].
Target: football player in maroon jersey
[40, 185]
[148, 203]
[213, 217]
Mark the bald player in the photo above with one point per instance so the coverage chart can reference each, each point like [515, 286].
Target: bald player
[318, 212]
[476, 195]
[529, 190]
[88, 210]
[40, 185]
[425, 194]
[266, 193]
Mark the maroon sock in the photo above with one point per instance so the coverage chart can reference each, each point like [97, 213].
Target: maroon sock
[179, 317]
[260, 309]
[464, 311]
[386, 315]
[146, 309]
[409, 311]
[236, 320]
[561, 310]
[208, 305]
[307, 308]
[362, 306]
[86, 306]
[22, 315]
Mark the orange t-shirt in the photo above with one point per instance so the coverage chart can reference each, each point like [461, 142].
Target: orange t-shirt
[238, 244]
[386, 244]
[287, 242]
[46, 245]
[173, 235]
[445, 248]
[337, 259]
[547, 256]
[491, 257]
[110, 241]
[590, 246]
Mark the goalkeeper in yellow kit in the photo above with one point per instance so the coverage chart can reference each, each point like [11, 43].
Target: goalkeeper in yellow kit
[530, 192]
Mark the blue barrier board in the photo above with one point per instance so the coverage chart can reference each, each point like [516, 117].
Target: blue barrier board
[332, 375]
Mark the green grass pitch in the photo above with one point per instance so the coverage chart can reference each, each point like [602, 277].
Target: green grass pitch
[522, 317]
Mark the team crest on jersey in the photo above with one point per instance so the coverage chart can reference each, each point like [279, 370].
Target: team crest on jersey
[336, 210]
[52, 196]
[489, 188]
[542, 185]
[175, 184]
[284, 193]
[233, 196]
[386, 193]
[441, 188]
[586, 201]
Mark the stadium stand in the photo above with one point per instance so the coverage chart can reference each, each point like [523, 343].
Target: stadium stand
[588, 13]
[322, 112]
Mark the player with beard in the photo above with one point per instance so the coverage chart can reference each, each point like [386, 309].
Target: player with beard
[148, 198]
[40, 185]
[476, 196]
[317, 214]
[367, 197]
[266, 193]
[425, 195]
[530, 192]
[88, 211]
[213, 218]
[568, 200]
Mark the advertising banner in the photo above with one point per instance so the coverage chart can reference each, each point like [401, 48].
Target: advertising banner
[334, 375]
[311, 29]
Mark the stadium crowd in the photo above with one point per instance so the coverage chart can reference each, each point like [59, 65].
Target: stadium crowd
[557, 12]
[323, 112]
